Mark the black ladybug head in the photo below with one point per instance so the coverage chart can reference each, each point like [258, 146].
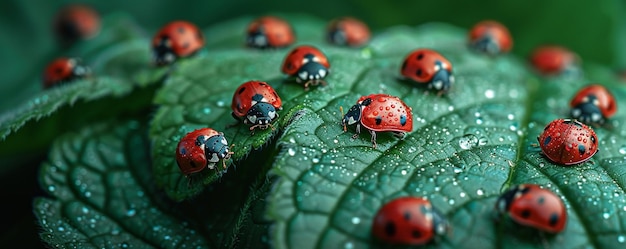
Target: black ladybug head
[261, 115]
[588, 113]
[353, 115]
[312, 71]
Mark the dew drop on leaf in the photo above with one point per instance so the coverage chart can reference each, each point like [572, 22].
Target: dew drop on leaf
[489, 93]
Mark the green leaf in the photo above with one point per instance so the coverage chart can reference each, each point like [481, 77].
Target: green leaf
[102, 194]
[466, 148]
[120, 61]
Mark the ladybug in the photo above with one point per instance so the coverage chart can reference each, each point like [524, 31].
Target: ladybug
[64, 69]
[490, 37]
[568, 141]
[307, 64]
[256, 102]
[269, 32]
[555, 60]
[200, 149]
[379, 112]
[76, 22]
[532, 206]
[174, 40]
[408, 221]
[593, 104]
[347, 31]
[427, 66]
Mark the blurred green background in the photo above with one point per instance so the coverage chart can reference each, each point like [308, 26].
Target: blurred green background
[596, 30]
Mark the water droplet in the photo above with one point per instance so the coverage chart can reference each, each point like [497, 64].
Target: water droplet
[206, 110]
[403, 172]
[621, 239]
[489, 93]
[61, 229]
[315, 160]
[468, 141]
[291, 152]
[356, 220]
[335, 141]
[462, 194]
[451, 201]
[479, 120]
[220, 103]
[622, 150]
[510, 116]
[131, 212]
[348, 245]
[480, 192]
[51, 188]
[606, 215]
[124, 245]
[412, 149]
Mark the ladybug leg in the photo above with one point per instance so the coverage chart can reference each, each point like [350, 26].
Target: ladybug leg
[373, 133]
[357, 131]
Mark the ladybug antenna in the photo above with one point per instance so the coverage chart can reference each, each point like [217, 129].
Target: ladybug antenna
[343, 123]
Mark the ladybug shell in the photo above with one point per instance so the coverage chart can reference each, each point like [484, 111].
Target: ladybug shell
[568, 141]
[181, 38]
[348, 31]
[426, 66]
[76, 22]
[252, 92]
[386, 113]
[276, 32]
[190, 154]
[603, 98]
[301, 55]
[63, 69]
[533, 206]
[551, 60]
[408, 221]
[485, 34]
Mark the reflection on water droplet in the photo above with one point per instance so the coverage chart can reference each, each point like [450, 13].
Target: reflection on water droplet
[451, 201]
[468, 141]
[220, 103]
[606, 215]
[291, 152]
[348, 245]
[480, 192]
[479, 120]
[489, 93]
[206, 110]
[356, 220]
[403, 172]
[131, 212]
[61, 229]
[315, 160]
[510, 116]
[51, 188]
[622, 150]
[621, 239]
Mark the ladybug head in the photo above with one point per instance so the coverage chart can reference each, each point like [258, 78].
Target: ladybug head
[353, 115]
[487, 44]
[216, 149]
[261, 115]
[162, 52]
[442, 80]
[588, 112]
[311, 71]
[257, 39]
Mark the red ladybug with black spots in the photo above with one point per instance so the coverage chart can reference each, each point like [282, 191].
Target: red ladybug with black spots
[177, 39]
[63, 70]
[490, 37]
[348, 31]
[76, 22]
[269, 32]
[200, 149]
[427, 66]
[532, 206]
[378, 113]
[553, 60]
[256, 103]
[593, 104]
[408, 221]
[568, 142]
[307, 64]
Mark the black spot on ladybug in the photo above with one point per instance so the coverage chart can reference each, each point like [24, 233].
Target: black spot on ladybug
[243, 89]
[593, 139]
[366, 102]
[416, 234]
[407, 216]
[379, 120]
[404, 65]
[402, 120]
[289, 65]
[420, 56]
[183, 151]
[58, 70]
[541, 200]
[547, 140]
[525, 213]
[390, 229]
[180, 29]
[554, 219]
[418, 72]
[581, 149]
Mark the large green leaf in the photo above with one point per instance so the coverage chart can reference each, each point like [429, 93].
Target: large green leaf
[102, 194]
[309, 184]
